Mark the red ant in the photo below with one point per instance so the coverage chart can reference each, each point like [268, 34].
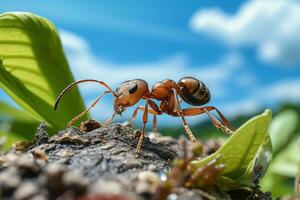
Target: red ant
[191, 90]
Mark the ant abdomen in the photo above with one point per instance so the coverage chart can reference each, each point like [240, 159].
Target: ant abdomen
[193, 91]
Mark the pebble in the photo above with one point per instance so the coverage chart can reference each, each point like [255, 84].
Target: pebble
[106, 187]
[152, 168]
[54, 173]
[9, 179]
[89, 125]
[39, 197]
[26, 190]
[148, 182]
[75, 181]
[27, 163]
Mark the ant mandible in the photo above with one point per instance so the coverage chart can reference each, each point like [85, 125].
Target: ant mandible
[191, 90]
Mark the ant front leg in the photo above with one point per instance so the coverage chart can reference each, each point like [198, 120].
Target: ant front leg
[109, 120]
[154, 110]
[142, 136]
[226, 128]
[151, 111]
[87, 110]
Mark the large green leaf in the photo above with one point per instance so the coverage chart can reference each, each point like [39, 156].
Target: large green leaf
[34, 68]
[240, 151]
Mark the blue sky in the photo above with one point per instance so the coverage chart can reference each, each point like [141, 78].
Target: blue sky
[247, 52]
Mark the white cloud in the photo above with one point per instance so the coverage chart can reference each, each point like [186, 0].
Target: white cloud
[271, 26]
[283, 91]
[248, 106]
[87, 65]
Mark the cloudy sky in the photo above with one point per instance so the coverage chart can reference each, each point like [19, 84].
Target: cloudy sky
[247, 52]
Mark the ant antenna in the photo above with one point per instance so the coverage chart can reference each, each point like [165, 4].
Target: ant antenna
[77, 82]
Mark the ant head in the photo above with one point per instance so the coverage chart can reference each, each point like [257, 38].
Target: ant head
[129, 93]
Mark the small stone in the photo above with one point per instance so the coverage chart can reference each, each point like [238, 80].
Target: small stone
[189, 195]
[54, 173]
[25, 191]
[152, 168]
[21, 145]
[65, 153]
[8, 158]
[148, 182]
[73, 139]
[39, 197]
[9, 180]
[26, 163]
[172, 196]
[40, 154]
[89, 125]
[75, 181]
[106, 187]
[152, 135]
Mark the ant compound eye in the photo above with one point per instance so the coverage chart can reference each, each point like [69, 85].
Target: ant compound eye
[133, 88]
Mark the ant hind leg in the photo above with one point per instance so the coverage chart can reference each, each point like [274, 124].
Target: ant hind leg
[226, 127]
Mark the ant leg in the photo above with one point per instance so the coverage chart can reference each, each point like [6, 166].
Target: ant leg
[223, 118]
[87, 110]
[109, 119]
[135, 112]
[142, 136]
[188, 130]
[151, 111]
[180, 113]
[154, 110]
[198, 111]
[218, 124]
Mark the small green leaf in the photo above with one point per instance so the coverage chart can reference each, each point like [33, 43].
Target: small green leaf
[287, 161]
[34, 69]
[283, 126]
[240, 150]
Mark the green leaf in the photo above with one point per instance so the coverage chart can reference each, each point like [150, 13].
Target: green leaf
[262, 160]
[282, 128]
[287, 161]
[34, 69]
[240, 150]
